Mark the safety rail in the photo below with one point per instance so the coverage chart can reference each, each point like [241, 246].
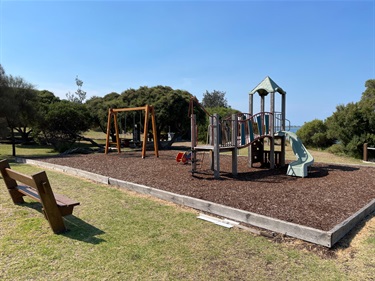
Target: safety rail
[278, 125]
[249, 128]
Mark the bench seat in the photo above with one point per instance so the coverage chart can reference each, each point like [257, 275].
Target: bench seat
[37, 187]
[65, 204]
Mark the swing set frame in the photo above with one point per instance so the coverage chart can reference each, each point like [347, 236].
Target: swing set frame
[149, 112]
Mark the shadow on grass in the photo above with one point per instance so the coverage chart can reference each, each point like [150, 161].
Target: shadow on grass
[82, 231]
[77, 228]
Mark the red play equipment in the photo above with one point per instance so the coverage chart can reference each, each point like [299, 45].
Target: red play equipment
[183, 157]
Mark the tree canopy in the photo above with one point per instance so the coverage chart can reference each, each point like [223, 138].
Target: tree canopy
[350, 126]
[214, 99]
[170, 105]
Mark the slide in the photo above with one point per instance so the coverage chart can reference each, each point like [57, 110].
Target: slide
[304, 160]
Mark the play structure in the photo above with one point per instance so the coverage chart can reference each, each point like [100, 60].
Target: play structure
[183, 157]
[148, 113]
[264, 134]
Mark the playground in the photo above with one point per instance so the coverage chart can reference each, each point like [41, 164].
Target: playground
[289, 197]
[116, 233]
[330, 194]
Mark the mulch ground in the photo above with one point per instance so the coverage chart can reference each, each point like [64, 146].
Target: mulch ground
[330, 194]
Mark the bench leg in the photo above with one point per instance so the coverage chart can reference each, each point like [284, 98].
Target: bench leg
[17, 197]
[66, 210]
[10, 183]
[51, 210]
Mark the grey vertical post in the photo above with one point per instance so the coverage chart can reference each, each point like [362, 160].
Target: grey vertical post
[234, 142]
[216, 147]
[283, 127]
[272, 143]
[283, 111]
[251, 111]
[251, 101]
[193, 143]
[211, 140]
[210, 132]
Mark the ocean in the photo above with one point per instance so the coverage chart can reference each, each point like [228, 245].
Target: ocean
[294, 129]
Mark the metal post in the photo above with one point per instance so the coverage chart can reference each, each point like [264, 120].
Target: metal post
[249, 153]
[234, 142]
[216, 147]
[272, 143]
[193, 143]
[283, 111]
[251, 106]
[211, 141]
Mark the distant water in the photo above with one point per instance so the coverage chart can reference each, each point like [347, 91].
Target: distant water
[294, 129]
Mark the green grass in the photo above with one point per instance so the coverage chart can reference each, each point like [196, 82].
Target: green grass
[25, 151]
[120, 235]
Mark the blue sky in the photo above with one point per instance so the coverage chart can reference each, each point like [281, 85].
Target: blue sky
[320, 52]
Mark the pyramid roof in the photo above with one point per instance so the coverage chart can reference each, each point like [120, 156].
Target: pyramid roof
[267, 86]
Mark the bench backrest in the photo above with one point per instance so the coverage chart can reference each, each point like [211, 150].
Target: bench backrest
[39, 182]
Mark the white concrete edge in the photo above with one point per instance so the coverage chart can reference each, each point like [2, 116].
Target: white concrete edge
[65, 169]
[316, 236]
[309, 234]
[341, 229]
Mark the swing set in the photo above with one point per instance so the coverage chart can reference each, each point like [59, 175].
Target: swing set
[149, 112]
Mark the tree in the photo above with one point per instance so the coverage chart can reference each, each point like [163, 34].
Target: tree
[314, 134]
[369, 93]
[79, 96]
[3, 78]
[354, 124]
[171, 108]
[62, 125]
[23, 114]
[17, 104]
[98, 108]
[214, 99]
[4, 99]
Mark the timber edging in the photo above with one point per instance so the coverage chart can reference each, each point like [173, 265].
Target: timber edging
[313, 235]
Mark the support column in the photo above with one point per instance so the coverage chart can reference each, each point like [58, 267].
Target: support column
[154, 132]
[251, 111]
[145, 131]
[216, 147]
[211, 140]
[234, 142]
[108, 130]
[272, 129]
[283, 128]
[193, 143]
[283, 111]
[262, 103]
[251, 103]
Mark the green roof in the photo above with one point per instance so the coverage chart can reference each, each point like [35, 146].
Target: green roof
[267, 86]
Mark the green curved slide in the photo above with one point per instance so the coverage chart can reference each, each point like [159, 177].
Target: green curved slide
[304, 160]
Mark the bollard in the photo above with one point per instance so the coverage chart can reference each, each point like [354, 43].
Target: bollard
[365, 155]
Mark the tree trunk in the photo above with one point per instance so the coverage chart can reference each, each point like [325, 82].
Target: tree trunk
[13, 142]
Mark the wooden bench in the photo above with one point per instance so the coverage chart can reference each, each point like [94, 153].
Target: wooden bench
[37, 187]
